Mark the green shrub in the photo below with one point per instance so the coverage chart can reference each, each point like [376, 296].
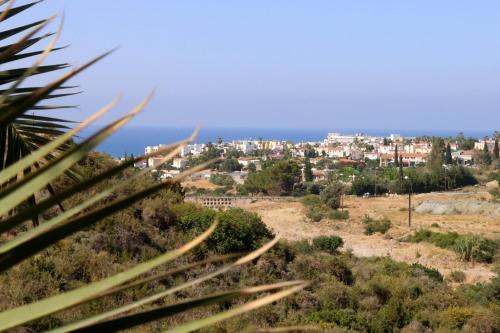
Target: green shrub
[446, 241]
[469, 247]
[429, 272]
[472, 247]
[221, 179]
[222, 191]
[197, 219]
[238, 231]
[300, 247]
[318, 209]
[456, 317]
[311, 200]
[331, 195]
[338, 214]
[373, 225]
[341, 317]
[315, 214]
[335, 294]
[457, 276]
[317, 266]
[328, 244]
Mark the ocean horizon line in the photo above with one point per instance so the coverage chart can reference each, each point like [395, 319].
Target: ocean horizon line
[133, 139]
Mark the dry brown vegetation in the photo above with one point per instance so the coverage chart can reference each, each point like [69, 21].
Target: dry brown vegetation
[288, 220]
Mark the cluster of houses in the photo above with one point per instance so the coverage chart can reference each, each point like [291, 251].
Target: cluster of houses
[345, 149]
[360, 147]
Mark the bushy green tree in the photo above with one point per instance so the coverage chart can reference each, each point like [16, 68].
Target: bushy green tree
[280, 178]
[310, 152]
[369, 184]
[436, 157]
[465, 143]
[331, 195]
[229, 165]
[238, 230]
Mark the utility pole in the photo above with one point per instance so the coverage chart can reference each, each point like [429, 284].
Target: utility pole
[445, 177]
[342, 196]
[410, 190]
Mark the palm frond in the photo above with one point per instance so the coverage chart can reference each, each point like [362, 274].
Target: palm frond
[35, 150]
[18, 138]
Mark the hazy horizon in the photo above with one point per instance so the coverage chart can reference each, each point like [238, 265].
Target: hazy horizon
[290, 64]
[133, 139]
[344, 130]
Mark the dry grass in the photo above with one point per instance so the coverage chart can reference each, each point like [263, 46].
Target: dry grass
[201, 183]
[287, 219]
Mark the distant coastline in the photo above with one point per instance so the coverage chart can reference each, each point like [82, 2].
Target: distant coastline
[132, 140]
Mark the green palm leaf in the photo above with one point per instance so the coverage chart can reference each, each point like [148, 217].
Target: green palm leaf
[19, 138]
[40, 149]
[147, 316]
[25, 313]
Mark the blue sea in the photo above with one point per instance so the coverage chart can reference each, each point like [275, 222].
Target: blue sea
[132, 140]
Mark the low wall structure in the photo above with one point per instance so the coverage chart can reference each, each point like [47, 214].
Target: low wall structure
[223, 202]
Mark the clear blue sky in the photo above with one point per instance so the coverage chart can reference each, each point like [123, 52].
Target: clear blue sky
[368, 64]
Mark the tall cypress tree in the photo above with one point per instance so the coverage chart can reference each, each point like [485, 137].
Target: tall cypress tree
[448, 159]
[308, 174]
[396, 158]
[401, 174]
[495, 150]
[486, 154]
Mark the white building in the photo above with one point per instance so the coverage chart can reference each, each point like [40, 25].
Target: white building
[168, 174]
[464, 156]
[336, 152]
[395, 137]
[155, 161]
[343, 138]
[153, 149]
[141, 164]
[192, 149]
[372, 156]
[247, 146]
[245, 161]
[239, 176]
[409, 159]
[179, 163]
[480, 145]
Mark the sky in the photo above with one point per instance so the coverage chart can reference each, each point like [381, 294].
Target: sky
[359, 64]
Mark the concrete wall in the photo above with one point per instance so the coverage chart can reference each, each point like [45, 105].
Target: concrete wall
[224, 202]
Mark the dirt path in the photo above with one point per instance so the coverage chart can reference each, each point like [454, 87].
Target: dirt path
[288, 221]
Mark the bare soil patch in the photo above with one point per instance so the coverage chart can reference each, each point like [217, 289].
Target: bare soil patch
[201, 183]
[287, 220]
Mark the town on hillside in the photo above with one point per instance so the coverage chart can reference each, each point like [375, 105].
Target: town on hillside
[358, 151]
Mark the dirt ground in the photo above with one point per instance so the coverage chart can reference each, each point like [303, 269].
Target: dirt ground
[200, 183]
[287, 220]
